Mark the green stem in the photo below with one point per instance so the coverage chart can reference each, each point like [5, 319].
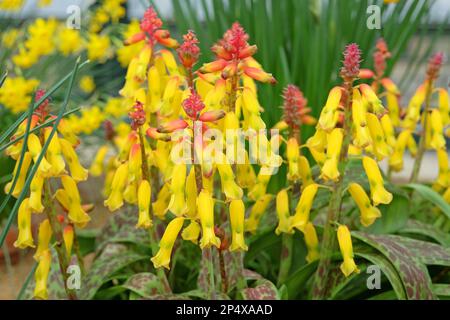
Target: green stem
[329, 243]
[154, 239]
[59, 245]
[422, 143]
[287, 244]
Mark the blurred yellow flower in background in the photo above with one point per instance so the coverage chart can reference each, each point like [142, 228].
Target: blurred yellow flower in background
[98, 47]
[9, 38]
[15, 94]
[87, 84]
[11, 4]
[126, 53]
[44, 3]
[69, 41]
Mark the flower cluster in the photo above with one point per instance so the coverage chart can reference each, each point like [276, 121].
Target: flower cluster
[61, 162]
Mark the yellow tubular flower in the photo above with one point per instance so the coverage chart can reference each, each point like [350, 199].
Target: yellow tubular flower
[41, 275]
[258, 209]
[437, 130]
[443, 179]
[319, 156]
[372, 99]
[36, 186]
[191, 232]
[312, 242]
[368, 212]
[284, 216]
[413, 110]
[389, 131]
[318, 141]
[205, 209]
[115, 199]
[25, 238]
[35, 148]
[96, 168]
[76, 213]
[44, 236]
[67, 132]
[305, 171]
[130, 193]
[77, 172]
[191, 194]
[359, 114]
[330, 167]
[378, 193]
[301, 217]
[293, 155]
[394, 110]
[68, 235]
[162, 202]
[328, 116]
[229, 186]
[54, 154]
[177, 203]
[380, 147]
[22, 176]
[412, 146]
[162, 258]
[396, 159]
[237, 216]
[444, 106]
[144, 198]
[345, 244]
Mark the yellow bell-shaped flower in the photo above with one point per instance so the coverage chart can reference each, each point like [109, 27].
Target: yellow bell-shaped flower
[35, 148]
[293, 155]
[191, 232]
[305, 171]
[44, 236]
[205, 209]
[368, 212]
[76, 213]
[144, 199]
[162, 258]
[312, 242]
[25, 238]
[437, 130]
[162, 202]
[396, 159]
[301, 217]
[115, 199]
[41, 275]
[191, 194]
[77, 171]
[328, 116]
[237, 217]
[378, 193]
[380, 148]
[330, 169]
[229, 186]
[54, 154]
[20, 183]
[345, 244]
[36, 186]
[284, 216]
[177, 203]
[443, 179]
[258, 209]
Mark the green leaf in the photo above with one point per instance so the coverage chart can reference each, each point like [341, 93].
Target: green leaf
[442, 290]
[297, 281]
[394, 216]
[113, 258]
[423, 229]
[263, 290]
[412, 272]
[386, 267]
[145, 284]
[430, 195]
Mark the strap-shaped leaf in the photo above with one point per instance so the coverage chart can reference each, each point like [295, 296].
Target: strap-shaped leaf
[263, 290]
[412, 272]
[430, 195]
